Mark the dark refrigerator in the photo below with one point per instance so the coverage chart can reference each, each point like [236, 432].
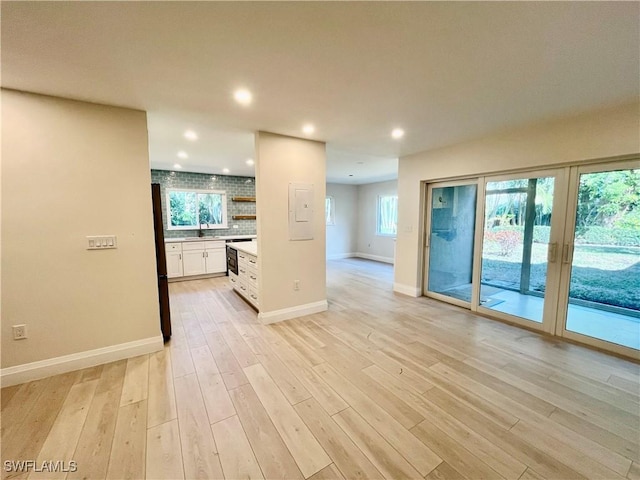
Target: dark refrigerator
[161, 263]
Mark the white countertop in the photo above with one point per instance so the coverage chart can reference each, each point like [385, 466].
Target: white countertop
[202, 239]
[247, 247]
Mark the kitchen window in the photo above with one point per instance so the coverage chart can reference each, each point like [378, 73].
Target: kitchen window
[196, 209]
[387, 222]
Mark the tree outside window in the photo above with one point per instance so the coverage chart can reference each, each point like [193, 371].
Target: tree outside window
[196, 209]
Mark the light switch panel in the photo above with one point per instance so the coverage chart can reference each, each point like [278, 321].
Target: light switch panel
[101, 242]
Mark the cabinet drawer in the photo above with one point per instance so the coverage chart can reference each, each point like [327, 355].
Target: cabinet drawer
[252, 261]
[243, 288]
[214, 244]
[193, 246]
[252, 278]
[233, 279]
[173, 247]
[253, 296]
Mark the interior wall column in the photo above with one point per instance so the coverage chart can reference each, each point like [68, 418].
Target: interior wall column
[291, 273]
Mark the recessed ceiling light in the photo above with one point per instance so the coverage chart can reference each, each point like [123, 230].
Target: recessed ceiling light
[190, 135]
[350, 175]
[225, 170]
[177, 165]
[360, 163]
[183, 154]
[249, 161]
[243, 96]
[397, 133]
[308, 129]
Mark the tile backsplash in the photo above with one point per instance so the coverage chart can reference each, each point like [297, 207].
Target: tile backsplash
[234, 186]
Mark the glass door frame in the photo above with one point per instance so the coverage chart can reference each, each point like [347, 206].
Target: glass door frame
[429, 187]
[566, 262]
[552, 283]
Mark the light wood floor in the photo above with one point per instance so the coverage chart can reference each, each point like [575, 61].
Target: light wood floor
[381, 385]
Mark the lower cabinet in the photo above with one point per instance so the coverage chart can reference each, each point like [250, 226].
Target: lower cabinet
[174, 264]
[215, 259]
[193, 262]
[196, 258]
[246, 282]
[174, 260]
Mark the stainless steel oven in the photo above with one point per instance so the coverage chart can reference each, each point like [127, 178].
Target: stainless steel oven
[232, 260]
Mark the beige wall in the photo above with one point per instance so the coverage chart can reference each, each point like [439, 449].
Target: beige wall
[602, 134]
[342, 236]
[72, 169]
[280, 161]
[370, 245]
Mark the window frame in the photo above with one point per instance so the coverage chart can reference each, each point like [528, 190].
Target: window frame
[379, 232]
[198, 226]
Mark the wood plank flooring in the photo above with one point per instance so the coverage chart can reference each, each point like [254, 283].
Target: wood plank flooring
[379, 386]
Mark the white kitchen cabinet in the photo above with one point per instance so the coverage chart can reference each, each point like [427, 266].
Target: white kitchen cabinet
[215, 256]
[193, 260]
[246, 282]
[174, 265]
[174, 260]
[186, 259]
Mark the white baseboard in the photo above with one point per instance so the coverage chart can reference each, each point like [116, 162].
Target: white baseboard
[407, 290]
[76, 361]
[376, 258]
[292, 312]
[339, 256]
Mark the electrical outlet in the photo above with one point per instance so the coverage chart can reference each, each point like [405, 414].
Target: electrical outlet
[296, 285]
[19, 332]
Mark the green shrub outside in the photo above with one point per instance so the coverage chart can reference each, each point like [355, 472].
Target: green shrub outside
[622, 237]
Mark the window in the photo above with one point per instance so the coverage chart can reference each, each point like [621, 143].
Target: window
[196, 209]
[387, 223]
[330, 211]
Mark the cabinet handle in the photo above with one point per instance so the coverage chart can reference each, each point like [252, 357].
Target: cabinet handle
[252, 261]
[252, 277]
[180, 256]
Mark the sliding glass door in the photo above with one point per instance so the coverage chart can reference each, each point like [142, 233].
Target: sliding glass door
[451, 220]
[601, 257]
[555, 250]
[517, 248]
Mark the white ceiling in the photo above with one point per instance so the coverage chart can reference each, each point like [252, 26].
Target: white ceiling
[446, 72]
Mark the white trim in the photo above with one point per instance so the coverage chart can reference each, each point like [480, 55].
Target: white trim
[292, 312]
[76, 361]
[410, 290]
[376, 258]
[339, 256]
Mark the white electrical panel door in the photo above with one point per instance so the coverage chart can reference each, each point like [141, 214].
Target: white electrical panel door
[300, 211]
